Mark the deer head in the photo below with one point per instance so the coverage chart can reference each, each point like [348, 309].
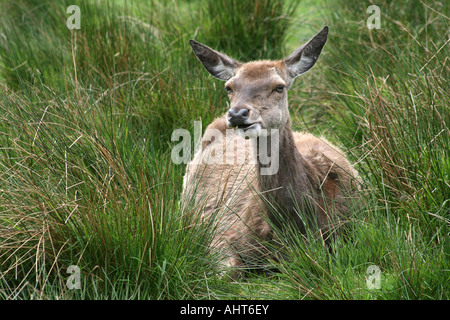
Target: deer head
[258, 90]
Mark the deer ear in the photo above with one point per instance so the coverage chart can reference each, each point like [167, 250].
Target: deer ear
[304, 58]
[218, 64]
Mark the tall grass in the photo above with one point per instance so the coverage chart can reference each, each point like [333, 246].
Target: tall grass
[395, 104]
[236, 24]
[86, 118]
[389, 104]
[86, 176]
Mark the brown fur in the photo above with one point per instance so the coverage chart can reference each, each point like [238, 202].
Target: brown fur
[257, 70]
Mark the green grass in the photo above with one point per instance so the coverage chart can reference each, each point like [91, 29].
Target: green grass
[86, 118]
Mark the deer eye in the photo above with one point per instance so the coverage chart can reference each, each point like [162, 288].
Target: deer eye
[229, 90]
[279, 88]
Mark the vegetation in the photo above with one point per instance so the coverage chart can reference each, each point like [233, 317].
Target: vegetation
[86, 118]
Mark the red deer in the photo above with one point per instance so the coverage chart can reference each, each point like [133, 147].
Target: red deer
[305, 173]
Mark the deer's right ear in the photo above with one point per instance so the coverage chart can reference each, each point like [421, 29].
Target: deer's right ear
[304, 58]
[218, 64]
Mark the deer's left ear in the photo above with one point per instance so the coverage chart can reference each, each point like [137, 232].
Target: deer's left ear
[304, 58]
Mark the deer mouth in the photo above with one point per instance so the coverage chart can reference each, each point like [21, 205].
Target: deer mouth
[246, 128]
[249, 126]
[247, 131]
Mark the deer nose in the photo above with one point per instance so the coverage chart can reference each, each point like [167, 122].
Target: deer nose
[238, 116]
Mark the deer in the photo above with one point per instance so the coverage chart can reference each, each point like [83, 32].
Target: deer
[311, 175]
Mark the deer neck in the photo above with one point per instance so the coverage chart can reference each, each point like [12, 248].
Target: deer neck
[287, 187]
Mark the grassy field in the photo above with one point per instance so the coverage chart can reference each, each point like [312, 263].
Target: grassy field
[86, 118]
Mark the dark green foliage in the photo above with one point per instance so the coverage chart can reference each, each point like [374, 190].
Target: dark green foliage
[86, 118]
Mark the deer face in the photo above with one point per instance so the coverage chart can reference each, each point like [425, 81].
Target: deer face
[258, 90]
[258, 98]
